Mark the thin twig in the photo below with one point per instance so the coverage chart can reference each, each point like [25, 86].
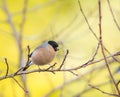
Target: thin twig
[79, 78]
[51, 66]
[28, 59]
[67, 51]
[115, 21]
[6, 62]
[18, 70]
[20, 85]
[118, 82]
[73, 73]
[110, 94]
[89, 61]
[9, 16]
[86, 20]
[24, 11]
[28, 55]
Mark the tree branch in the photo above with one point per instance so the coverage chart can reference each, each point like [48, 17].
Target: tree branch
[115, 21]
[57, 70]
[67, 51]
[20, 85]
[102, 48]
[6, 62]
[110, 94]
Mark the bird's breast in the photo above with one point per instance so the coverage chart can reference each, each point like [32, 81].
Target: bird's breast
[43, 56]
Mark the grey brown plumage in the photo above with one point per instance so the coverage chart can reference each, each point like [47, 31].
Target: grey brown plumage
[43, 54]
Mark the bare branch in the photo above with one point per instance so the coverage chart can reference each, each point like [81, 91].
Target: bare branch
[6, 62]
[110, 94]
[24, 11]
[89, 61]
[79, 78]
[67, 51]
[86, 20]
[118, 82]
[27, 62]
[20, 85]
[51, 66]
[28, 55]
[18, 71]
[115, 21]
[9, 16]
[73, 73]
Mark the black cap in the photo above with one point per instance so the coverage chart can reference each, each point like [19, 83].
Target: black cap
[53, 44]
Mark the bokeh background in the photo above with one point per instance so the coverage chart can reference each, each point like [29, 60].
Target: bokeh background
[35, 21]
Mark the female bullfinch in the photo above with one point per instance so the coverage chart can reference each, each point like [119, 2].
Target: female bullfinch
[43, 54]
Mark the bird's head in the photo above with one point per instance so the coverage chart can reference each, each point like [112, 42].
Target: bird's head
[54, 45]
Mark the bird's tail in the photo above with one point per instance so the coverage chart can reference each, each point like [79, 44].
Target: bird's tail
[27, 66]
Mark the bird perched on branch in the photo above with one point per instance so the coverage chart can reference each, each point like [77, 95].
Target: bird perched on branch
[43, 54]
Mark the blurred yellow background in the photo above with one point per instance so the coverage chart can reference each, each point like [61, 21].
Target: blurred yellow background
[62, 21]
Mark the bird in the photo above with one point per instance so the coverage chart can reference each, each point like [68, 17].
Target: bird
[43, 54]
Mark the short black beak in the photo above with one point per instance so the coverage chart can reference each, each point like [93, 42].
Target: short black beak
[56, 49]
